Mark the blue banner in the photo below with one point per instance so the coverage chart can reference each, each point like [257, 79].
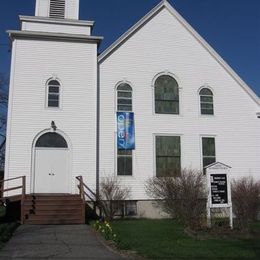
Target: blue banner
[125, 131]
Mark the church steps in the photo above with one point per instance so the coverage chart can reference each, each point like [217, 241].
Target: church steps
[53, 209]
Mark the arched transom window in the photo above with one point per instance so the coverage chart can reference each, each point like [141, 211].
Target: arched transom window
[53, 94]
[206, 102]
[124, 97]
[166, 93]
[51, 140]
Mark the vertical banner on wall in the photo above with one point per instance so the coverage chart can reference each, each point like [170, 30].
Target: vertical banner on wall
[125, 131]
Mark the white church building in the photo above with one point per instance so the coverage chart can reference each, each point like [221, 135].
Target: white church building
[177, 102]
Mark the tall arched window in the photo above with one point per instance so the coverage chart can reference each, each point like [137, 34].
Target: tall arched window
[53, 93]
[166, 94]
[124, 104]
[206, 102]
[124, 97]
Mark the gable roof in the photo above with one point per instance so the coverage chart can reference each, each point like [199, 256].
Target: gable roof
[217, 164]
[165, 5]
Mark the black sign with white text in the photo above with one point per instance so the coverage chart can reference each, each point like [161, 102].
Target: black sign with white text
[219, 192]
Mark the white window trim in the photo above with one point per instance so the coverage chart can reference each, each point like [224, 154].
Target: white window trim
[154, 148]
[115, 95]
[201, 148]
[47, 95]
[167, 73]
[115, 161]
[214, 101]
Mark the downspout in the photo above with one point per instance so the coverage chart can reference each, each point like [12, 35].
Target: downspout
[98, 134]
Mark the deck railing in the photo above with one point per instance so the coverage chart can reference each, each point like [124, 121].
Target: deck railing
[21, 187]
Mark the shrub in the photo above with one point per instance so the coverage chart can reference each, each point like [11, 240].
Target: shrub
[246, 201]
[6, 231]
[111, 193]
[182, 197]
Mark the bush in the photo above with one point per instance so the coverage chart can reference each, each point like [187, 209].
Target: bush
[6, 231]
[246, 201]
[182, 197]
[111, 193]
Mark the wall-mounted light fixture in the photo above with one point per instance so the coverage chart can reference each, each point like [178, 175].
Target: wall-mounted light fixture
[258, 114]
[53, 126]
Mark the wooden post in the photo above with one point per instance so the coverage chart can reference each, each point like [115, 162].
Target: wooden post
[23, 197]
[82, 195]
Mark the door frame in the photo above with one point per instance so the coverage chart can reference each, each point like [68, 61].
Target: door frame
[33, 159]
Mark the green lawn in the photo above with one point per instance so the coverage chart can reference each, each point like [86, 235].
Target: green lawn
[164, 239]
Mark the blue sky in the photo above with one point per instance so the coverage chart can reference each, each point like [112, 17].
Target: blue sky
[231, 27]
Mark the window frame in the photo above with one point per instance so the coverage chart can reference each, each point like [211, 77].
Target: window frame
[124, 156]
[116, 96]
[116, 110]
[201, 149]
[116, 160]
[154, 150]
[200, 102]
[47, 94]
[122, 206]
[166, 73]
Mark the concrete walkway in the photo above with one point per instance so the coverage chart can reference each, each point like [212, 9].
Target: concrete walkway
[55, 242]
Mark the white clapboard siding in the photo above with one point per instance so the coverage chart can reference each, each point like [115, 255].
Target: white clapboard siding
[33, 63]
[164, 45]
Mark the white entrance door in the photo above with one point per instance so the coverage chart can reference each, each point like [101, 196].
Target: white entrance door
[51, 170]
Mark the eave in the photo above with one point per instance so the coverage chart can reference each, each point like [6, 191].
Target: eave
[54, 36]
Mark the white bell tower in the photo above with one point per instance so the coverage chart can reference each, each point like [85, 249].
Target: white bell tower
[57, 9]
[53, 46]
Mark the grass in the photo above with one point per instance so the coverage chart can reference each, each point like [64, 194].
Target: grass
[165, 239]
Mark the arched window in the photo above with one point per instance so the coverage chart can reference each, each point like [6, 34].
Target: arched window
[53, 93]
[206, 102]
[125, 104]
[166, 94]
[124, 97]
[52, 140]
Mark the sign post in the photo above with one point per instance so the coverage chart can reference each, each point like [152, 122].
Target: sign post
[219, 190]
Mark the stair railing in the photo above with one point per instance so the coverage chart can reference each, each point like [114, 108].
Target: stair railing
[81, 192]
[88, 194]
[22, 194]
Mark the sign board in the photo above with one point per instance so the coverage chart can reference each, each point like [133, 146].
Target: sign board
[125, 131]
[219, 190]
